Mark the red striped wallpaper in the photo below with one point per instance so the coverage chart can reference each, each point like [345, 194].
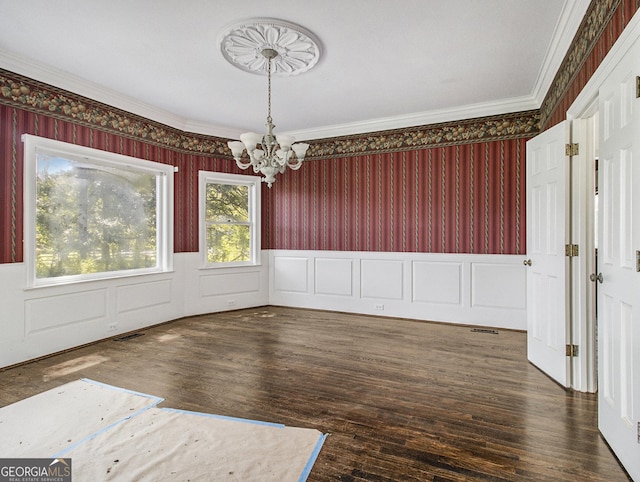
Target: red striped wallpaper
[464, 198]
[14, 122]
[456, 199]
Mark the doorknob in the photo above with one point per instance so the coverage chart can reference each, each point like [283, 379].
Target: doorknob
[599, 277]
[527, 262]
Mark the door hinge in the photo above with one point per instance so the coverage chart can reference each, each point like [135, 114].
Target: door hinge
[637, 86]
[571, 150]
[638, 261]
[571, 250]
[639, 432]
[572, 350]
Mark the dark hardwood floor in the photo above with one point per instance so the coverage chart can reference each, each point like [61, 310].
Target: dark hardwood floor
[401, 400]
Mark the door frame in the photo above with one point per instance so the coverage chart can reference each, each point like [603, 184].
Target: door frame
[583, 108]
[584, 132]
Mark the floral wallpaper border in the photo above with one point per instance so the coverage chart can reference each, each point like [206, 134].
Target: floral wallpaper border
[32, 95]
[483, 129]
[596, 19]
[19, 91]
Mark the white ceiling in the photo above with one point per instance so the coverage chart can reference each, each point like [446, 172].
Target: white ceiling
[385, 64]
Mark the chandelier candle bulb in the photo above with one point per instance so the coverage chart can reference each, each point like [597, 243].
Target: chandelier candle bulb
[285, 141]
[236, 147]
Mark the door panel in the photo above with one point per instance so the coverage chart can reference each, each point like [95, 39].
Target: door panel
[547, 231]
[619, 292]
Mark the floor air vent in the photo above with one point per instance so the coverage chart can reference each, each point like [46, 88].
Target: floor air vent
[485, 330]
[128, 337]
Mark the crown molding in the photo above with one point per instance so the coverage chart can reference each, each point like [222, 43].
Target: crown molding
[79, 86]
[195, 127]
[571, 17]
[464, 112]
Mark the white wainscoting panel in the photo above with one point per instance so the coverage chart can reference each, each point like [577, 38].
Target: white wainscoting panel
[505, 293]
[219, 284]
[436, 282]
[52, 311]
[211, 290]
[137, 296]
[292, 274]
[382, 279]
[40, 321]
[479, 290]
[12, 327]
[334, 277]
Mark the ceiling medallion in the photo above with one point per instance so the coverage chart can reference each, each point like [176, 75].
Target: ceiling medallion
[242, 45]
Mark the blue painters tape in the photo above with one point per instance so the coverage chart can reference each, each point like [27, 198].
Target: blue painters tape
[101, 431]
[153, 398]
[312, 458]
[224, 417]
[156, 400]
[125, 390]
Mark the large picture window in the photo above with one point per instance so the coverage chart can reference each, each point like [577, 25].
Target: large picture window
[229, 219]
[91, 214]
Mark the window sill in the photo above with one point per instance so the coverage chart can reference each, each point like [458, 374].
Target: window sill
[78, 281]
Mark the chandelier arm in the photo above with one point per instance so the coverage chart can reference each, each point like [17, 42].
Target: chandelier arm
[295, 165]
[276, 153]
[241, 164]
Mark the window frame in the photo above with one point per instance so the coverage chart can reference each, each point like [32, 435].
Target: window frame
[164, 206]
[254, 204]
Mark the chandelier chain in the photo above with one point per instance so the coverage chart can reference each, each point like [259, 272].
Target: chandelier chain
[269, 89]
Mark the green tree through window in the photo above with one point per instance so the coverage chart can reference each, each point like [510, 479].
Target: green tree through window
[92, 214]
[229, 218]
[92, 219]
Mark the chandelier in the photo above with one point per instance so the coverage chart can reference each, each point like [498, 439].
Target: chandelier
[266, 44]
[277, 152]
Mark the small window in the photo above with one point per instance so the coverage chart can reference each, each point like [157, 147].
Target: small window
[229, 219]
[91, 214]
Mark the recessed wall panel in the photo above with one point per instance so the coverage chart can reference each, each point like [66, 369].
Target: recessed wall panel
[437, 282]
[334, 277]
[138, 296]
[53, 311]
[510, 292]
[291, 274]
[381, 279]
[229, 283]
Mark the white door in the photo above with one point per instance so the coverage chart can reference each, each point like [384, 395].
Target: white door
[618, 281]
[547, 265]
